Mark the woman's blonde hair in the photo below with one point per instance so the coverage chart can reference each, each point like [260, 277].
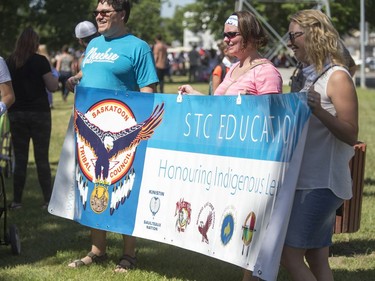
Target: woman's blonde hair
[322, 41]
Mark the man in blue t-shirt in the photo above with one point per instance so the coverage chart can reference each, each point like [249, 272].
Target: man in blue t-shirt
[115, 60]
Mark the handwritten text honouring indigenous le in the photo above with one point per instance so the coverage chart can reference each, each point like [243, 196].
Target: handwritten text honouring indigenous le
[254, 128]
[219, 177]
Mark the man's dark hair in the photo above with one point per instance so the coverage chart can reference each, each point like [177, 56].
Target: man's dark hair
[119, 5]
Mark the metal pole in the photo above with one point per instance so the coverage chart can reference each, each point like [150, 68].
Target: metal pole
[363, 55]
[328, 9]
[238, 5]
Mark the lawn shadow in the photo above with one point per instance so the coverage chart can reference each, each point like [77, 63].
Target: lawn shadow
[41, 234]
[352, 248]
[358, 275]
[369, 181]
[369, 191]
[175, 262]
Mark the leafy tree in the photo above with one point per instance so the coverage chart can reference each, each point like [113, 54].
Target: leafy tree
[11, 20]
[346, 14]
[56, 20]
[145, 21]
[211, 14]
[208, 15]
[174, 27]
[53, 20]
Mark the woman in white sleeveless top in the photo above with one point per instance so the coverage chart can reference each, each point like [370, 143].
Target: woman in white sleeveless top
[324, 180]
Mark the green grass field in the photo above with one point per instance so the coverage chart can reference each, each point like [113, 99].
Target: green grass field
[49, 243]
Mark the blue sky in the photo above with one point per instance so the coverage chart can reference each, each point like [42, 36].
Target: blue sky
[167, 11]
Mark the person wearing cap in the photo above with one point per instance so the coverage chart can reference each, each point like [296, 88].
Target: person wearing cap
[85, 31]
[131, 68]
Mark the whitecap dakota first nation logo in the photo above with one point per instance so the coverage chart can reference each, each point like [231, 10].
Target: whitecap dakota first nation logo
[183, 213]
[107, 138]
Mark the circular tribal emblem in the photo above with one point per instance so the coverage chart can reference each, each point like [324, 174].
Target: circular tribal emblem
[100, 157]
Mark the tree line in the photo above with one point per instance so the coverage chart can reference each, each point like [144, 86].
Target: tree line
[55, 20]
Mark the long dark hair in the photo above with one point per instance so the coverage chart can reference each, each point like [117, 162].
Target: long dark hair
[26, 45]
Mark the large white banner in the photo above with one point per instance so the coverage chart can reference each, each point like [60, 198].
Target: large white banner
[215, 175]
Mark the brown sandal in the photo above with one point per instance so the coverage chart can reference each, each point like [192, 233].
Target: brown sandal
[126, 263]
[94, 259]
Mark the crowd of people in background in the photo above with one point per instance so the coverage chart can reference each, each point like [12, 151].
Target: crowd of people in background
[197, 64]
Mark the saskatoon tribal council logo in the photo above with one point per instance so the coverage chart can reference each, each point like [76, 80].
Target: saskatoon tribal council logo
[206, 221]
[183, 213]
[107, 137]
[248, 229]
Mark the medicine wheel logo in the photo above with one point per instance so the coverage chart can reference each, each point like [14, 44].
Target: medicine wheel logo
[248, 229]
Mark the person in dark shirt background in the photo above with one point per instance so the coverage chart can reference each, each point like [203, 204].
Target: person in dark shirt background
[30, 115]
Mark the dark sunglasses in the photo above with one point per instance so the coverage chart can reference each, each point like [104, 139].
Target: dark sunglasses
[230, 35]
[104, 13]
[293, 36]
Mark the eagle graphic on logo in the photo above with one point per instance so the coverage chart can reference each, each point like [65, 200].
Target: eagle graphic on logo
[206, 221]
[204, 227]
[101, 150]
